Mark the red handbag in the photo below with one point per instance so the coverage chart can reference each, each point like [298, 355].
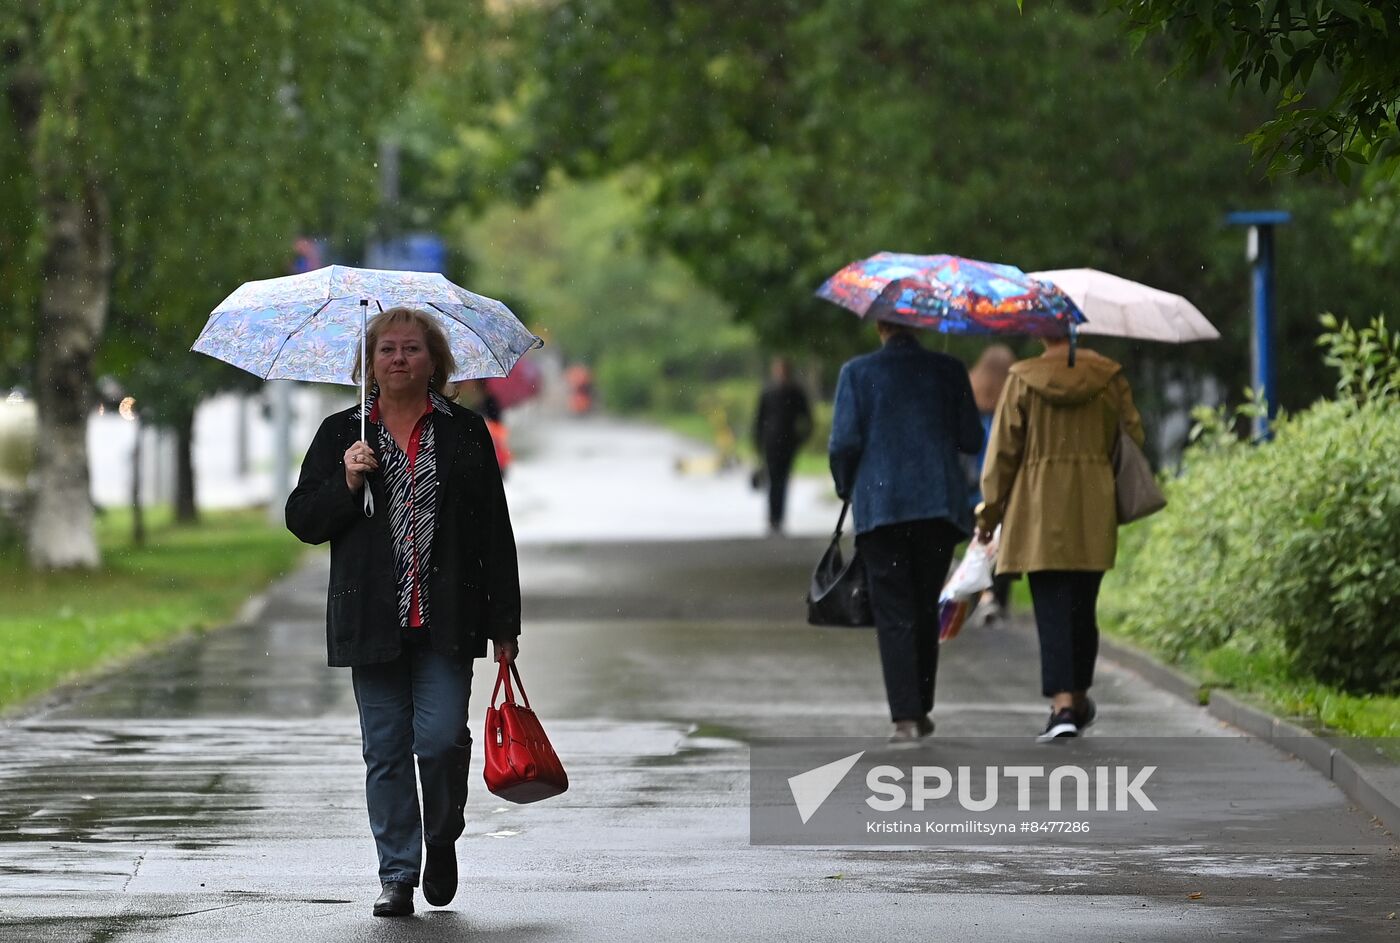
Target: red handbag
[521, 766]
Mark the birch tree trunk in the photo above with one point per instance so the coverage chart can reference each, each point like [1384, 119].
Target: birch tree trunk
[76, 275]
[72, 308]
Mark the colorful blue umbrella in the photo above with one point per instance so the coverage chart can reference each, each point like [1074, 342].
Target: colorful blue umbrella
[952, 295]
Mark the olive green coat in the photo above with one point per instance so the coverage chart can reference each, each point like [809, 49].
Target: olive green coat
[1048, 477]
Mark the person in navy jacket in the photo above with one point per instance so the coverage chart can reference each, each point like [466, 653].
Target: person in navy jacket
[902, 416]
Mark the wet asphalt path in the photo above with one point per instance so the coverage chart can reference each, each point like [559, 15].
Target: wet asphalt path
[215, 792]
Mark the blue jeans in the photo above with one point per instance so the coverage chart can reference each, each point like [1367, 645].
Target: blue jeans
[414, 705]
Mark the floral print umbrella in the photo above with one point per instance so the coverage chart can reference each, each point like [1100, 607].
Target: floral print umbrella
[952, 295]
[311, 326]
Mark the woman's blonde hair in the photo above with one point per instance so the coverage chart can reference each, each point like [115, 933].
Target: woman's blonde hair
[444, 364]
[989, 374]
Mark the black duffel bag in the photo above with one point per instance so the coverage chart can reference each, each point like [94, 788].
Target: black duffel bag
[838, 594]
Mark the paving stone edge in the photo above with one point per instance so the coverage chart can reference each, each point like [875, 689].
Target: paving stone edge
[1375, 797]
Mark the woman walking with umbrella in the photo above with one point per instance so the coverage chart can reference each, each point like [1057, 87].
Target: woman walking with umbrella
[1048, 481]
[415, 591]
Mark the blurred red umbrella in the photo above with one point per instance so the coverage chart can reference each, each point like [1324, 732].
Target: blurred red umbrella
[519, 385]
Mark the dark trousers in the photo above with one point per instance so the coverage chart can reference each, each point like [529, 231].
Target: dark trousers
[906, 565]
[414, 705]
[1065, 618]
[1001, 588]
[778, 461]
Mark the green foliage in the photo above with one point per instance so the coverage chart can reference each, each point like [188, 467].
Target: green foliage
[783, 145]
[60, 625]
[1373, 218]
[1330, 64]
[573, 267]
[217, 133]
[1289, 543]
[1367, 360]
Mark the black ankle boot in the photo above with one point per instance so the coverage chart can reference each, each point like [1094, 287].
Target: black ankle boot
[440, 874]
[395, 900]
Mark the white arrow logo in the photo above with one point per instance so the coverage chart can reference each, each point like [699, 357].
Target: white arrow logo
[812, 788]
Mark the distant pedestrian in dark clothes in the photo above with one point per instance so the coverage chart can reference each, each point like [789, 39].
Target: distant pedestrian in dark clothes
[783, 423]
[486, 402]
[902, 416]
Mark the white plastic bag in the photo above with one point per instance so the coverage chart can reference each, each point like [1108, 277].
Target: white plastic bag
[974, 573]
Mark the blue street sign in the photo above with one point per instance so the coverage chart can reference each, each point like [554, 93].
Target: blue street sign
[415, 252]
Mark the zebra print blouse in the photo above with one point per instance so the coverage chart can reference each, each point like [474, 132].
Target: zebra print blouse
[412, 482]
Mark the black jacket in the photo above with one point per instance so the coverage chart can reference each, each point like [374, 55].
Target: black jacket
[474, 581]
[784, 419]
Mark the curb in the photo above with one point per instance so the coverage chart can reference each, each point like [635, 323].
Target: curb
[1322, 755]
[1163, 676]
[252, 610]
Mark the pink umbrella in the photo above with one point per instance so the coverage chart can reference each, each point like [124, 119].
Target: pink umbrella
[519, 385]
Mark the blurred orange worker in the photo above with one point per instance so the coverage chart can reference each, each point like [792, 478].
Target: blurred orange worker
[500, 437]
[580, 380]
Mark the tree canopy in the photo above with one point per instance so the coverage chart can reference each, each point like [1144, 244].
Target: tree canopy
[165, 153]
[1331, 66]
[787, 144]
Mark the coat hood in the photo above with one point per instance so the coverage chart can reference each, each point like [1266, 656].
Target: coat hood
[1053, 378]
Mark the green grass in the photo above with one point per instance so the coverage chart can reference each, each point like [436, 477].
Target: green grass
[1263, 677]
[58, 626]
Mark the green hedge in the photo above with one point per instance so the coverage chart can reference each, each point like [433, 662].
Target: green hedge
[1291, 545]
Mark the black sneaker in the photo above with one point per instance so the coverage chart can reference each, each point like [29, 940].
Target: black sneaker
[924, 725]
[1063, 724]
[1087, 714]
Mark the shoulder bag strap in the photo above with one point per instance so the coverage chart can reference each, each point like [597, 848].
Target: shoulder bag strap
[841, 521]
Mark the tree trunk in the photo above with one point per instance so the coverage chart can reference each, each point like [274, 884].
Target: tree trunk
[138, 518]
[72, 308]
[77, 264]
[186, 508]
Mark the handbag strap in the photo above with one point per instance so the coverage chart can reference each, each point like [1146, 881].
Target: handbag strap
[503, 678]
[840, 521]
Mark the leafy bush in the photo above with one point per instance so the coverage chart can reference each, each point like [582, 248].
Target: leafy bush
[1367, 360]
[1294, 541]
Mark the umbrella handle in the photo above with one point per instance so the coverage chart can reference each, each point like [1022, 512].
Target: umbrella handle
[364, 382]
